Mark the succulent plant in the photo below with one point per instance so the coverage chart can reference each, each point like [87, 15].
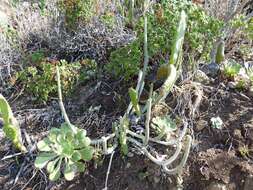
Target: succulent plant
[123, 126]
[10, 124]
[63, 145]
[220, 52]
[231, 69]
[216, 122]
[164, 126]
[134, 100]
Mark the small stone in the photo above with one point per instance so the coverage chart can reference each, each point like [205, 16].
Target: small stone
[128, 165]
[201, 124]
[130, 154]
[237, 134]
[251, 91]
[201, 77]
[231, 85]
[212, 69]
[216, 186]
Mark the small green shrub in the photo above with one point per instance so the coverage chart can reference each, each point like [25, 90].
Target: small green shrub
[40, 81]
[201, 32]
[125, 61]
[245, 25]
[77, 11]
[108, 19]
[63, 147]
[231, 69]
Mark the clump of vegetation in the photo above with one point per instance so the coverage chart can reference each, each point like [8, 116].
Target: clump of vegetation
[77, 11]
[70, 144]
[39, 79]
[202, 30]
[241, 77]
[65, 147]
[231, 69]
[125, 61]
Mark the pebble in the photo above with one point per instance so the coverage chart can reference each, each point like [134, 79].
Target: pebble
[201, 77]
[130, 154]
[231, 85]
[201, 124]
[128, 165]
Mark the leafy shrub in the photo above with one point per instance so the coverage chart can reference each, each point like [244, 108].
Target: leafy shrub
[202, 30]
[77, 11]
[40, 81]
[125, 61]
[246, 25]
[63, 145]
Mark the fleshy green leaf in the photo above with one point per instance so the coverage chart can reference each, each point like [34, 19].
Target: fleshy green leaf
[76, 156]
[80, 166]
[69, 171]
[134, 99]
[11, 127]
[68, 149]
[86, 153]
[53, 133]
[164, 125]
[220, 52]
[82, 140]
[81, 134]
[179, 40]
[51, 165]
[44, 145]
[10, 131]
[65, 128]
[55, 175]
[43, 158]
[5, 109]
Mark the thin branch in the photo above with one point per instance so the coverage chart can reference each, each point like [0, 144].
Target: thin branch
[108, 171]
[148, 116]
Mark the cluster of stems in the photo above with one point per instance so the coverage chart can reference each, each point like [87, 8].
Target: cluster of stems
[142, 141]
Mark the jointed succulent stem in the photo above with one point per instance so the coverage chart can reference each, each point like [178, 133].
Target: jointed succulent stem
[179, 168]
[148, 116]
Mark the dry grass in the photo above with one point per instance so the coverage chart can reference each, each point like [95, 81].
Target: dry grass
[35, 30]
